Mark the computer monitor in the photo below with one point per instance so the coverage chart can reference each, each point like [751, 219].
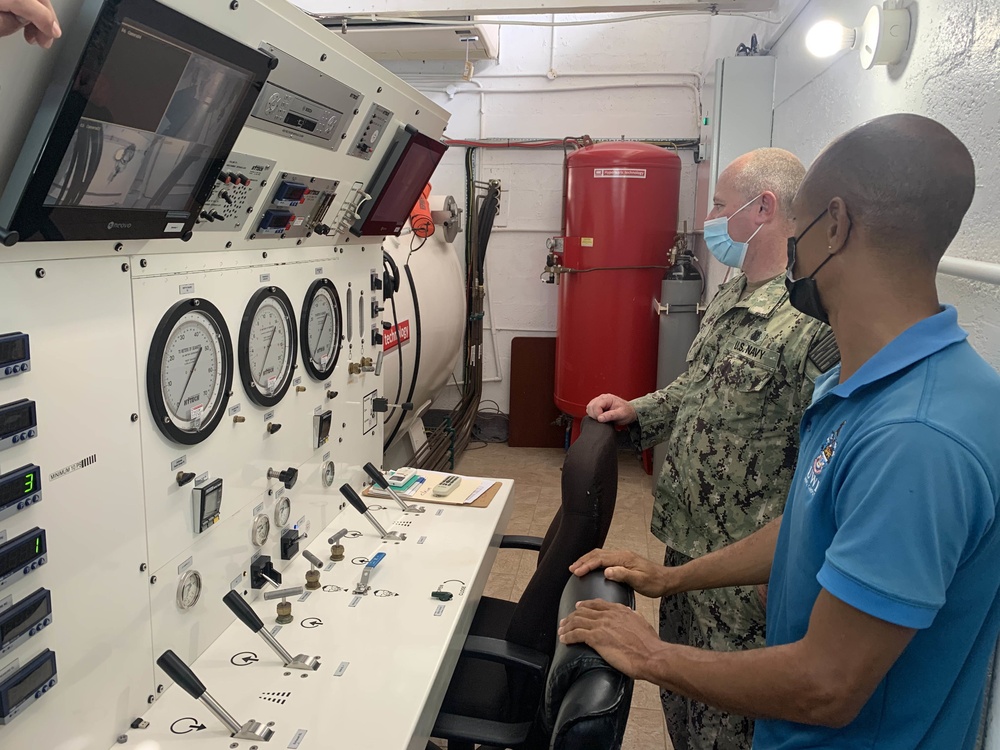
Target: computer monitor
[134, 128]
[405, 170]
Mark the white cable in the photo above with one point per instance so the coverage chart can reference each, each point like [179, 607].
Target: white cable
[375, 18]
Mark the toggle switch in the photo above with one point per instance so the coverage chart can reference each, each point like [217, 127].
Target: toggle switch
[364, 585]
[184, 477]
[273, 427]
[262, 571]
[290, 539]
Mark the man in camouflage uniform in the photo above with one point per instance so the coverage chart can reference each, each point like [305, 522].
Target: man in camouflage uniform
[730, 424]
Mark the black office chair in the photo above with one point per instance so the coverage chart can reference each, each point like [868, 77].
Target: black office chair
[496, 690]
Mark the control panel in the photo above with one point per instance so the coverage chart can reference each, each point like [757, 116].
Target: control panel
[15, 354]
[22, 556]
[25, 620]
[376, 124]
[27, 685]
[303, 103]
[235, 193]
[18, 423]
[297, 207]
[20, 489]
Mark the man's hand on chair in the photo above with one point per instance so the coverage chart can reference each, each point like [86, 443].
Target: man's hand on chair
[645, 577]
[611, 408]
[619, 634]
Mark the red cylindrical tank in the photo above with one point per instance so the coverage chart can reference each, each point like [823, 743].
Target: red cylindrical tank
[621, 218]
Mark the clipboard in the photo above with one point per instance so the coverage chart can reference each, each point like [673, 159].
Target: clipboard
[425, 494]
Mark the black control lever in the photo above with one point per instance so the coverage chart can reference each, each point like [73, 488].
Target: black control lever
[379, 478]
[359, 505]
[245, 614]
[181, 673]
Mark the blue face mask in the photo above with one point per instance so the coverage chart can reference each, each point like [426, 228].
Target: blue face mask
[725, 249]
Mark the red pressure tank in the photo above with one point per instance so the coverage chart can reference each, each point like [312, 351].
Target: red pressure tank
[621, 218]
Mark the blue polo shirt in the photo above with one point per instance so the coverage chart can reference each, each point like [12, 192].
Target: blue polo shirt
[892, 510]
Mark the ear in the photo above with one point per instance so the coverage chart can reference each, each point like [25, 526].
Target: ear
[768, 208]
[839, 228]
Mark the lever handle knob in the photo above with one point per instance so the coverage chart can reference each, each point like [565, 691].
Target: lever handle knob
[376, 476]
[244, 613]
[181, 673]
[354, 499]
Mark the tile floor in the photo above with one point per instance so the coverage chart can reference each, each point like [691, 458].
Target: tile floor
[536, 473]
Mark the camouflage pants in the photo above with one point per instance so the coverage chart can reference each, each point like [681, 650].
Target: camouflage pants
[719, 620]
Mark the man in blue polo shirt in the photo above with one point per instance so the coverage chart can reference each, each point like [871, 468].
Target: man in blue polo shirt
[884, 571]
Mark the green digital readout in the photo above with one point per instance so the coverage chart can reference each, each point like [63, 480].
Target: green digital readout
[17, 484]
[29, 483]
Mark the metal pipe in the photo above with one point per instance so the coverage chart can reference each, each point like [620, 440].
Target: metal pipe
[221, 714]
[270, 640]
[965, 268]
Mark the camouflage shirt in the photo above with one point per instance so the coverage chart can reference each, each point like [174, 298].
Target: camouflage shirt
[731, 422]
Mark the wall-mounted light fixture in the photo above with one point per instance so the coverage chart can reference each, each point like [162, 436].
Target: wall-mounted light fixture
[881, 40]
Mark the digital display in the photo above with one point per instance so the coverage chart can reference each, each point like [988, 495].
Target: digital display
[32, 681]
[398, 185]
[13, 349]
[153, 115]
[20, 483]
[291, 191]
[300, 122]
[16, 417]
[24, 615]
[276, 220]
[21, 550]
[213, 501]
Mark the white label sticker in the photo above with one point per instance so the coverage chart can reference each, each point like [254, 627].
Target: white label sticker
[202, 478]
[235, 583]
[621, 173]
[300, 522]
[326, 456]
[354, 601]
[185, 565]
[421, 540]
[439, 611]
[275, 630]
[440, 512]
[297, 739]
[297, 381]
[279, 492]
[586, 242]
[174, 227]
[258, 509]
[300, 221]
[235, 409]
[269, 416]
[305, 596]
[329, 566]
[178, 463]
[317, 410]
[341, 669]
[253, 558]
[319, 271]
[186, 289]
[328, 384]
[264, 278]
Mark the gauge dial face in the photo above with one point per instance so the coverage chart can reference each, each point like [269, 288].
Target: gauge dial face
[267, 346]
[188, 590]
[321, 329]
[329, 473]
[282, 512]
[260, 530]
[189, 371]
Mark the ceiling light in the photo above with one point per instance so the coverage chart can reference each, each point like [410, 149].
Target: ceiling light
[881, 40]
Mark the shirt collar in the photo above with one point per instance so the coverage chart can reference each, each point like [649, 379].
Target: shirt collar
[916, 343]
[765, 300]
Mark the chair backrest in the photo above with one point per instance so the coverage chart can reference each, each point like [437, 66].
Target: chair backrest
[589, 492]
[586, 701]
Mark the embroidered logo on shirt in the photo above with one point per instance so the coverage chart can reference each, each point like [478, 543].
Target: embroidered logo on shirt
[822, 460]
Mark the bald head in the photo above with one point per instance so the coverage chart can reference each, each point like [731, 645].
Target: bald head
[907, 182]
[767, 169]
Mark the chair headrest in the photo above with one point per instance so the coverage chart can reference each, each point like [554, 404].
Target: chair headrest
[571, 663]
[591, 467]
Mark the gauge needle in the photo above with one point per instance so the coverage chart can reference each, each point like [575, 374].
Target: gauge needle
[188, 382]
[266, 351]
[319, 336]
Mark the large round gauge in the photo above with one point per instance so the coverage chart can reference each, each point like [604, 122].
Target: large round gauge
[260, 530]
[282, 512]
[267, 346]
[189, 373]
[321, 329]
[188, 590]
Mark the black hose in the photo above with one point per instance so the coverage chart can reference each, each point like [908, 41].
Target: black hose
[416, 349]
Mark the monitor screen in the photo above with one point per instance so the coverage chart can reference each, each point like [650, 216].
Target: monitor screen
[143, 125]
[405, 170]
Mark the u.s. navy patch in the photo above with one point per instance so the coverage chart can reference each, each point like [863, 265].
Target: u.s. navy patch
[822, 460]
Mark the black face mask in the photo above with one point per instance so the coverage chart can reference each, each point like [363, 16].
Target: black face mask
[803, 293]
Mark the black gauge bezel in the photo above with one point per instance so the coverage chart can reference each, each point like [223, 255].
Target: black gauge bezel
[314, 370]
[243, 348]
[154, 388]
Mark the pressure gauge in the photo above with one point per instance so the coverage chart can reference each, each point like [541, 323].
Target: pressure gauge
[282, 512]
[189, 372]
[329, 473]
[260, 530]
[320, 326]
[188, 590]
[267, 346]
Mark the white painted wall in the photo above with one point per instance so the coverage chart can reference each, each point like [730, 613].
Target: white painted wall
[637, 80]
[950, 75]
